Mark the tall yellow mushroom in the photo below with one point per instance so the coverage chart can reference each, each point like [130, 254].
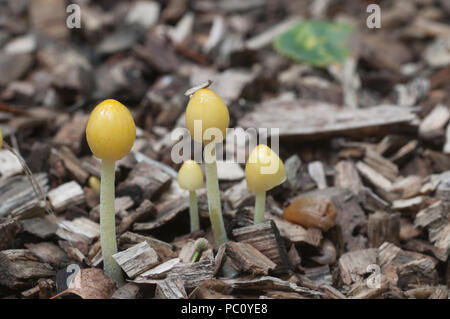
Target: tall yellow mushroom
[207, 119]
[110, 133]
[190, 177]
[264, 170]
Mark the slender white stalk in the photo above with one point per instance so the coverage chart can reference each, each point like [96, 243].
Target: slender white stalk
[212, 187]
[260, 207]
[107, 223]
[193, 212]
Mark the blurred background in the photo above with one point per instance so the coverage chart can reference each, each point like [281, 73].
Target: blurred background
[316, 70]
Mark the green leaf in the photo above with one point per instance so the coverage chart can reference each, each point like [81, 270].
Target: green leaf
[318, 43]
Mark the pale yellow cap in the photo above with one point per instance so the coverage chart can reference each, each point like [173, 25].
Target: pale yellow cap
[190, 176]
[206, 106]
[110, 131]
[264, 169]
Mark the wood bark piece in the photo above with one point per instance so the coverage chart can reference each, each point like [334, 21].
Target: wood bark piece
[308, 120]
[421, 270]
[159, 271]
[65, 195]
[39, 227]
[127, 291]
[137, 259]
[317, 173]
[72, 133]
[436, 219]
[407, 187]
[296, 234]
[319, 275]
[383, 227]
[163, 249]
[381, 164]
[239, 195]
[170, 289]
[382, 184]
[411, 266]
[78, 230]
[10, 165]
[8, 229]
[271, 283]
[72, 163]
[212, 289]
[347, 177]
[244, 258]
[354, 265]
[192, 274]
[265, 237]
[145, 211]
[18, 198]
[434, 123]
[49, 253]
[73, 252]
[149, 179]
[360, 289]
[166, 211]
[19, 268]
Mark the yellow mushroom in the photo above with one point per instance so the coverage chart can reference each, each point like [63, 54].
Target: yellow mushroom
[207, 119]
[110, 133]
[264, 170]
[190, 177]
[207, 108]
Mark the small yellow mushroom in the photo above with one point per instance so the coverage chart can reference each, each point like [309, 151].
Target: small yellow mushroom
[264, 170]
[110, 133]
[190, 177]
[206, 108]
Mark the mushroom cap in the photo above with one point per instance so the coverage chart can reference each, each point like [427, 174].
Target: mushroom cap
[110, 130]
[205, 105]
[1, 138]
[264, 169]
[190, 176]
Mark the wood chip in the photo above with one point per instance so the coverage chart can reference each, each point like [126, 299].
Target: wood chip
[383, 227]
[137, 259]
[18, 198]
[65, 195]
[148, 178]
[163, 249]
[317, 173]
[171, 288]
[8, 229]
[306, 120]
[127, 291]
[354, 265]
[159, 271]
[19, 268]
[265, 237]
[244, 258]
[39, 227]
[296, 234]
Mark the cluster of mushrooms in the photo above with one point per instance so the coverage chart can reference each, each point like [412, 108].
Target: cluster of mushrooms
[111, 132]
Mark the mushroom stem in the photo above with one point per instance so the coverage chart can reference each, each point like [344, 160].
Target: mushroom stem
[212, 187]
[193, 211]
[107, 222]
[260, 207]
